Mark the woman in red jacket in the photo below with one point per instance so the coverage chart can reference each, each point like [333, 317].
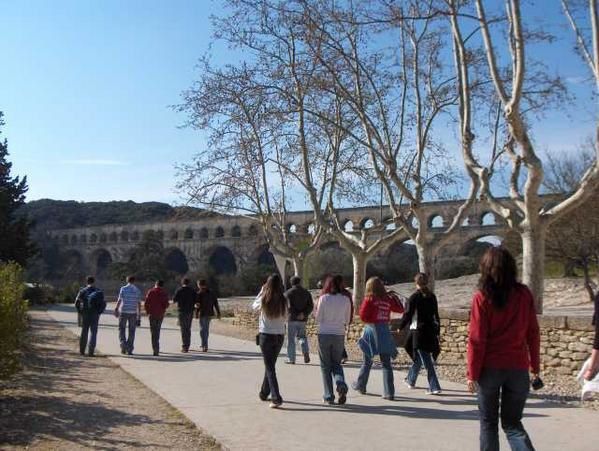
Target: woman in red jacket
[503, 343]
[376, 339]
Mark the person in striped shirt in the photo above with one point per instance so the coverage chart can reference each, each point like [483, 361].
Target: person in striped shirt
[128, 310]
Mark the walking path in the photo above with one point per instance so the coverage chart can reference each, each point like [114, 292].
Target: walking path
[218, 391]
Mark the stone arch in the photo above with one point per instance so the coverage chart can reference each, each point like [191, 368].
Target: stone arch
[113, 237]
[175, 260]
[65, 239]
[252, 230]
[292, 228]
[103, 238]
[204, 234]
[236, 231]
[219, 232]
[73, 264]
[101, 260]
[74, 239]
[367, 223]
[124, 236]
[263, 256]
[93, 238]
[173, 234]
[311, 228]
[83, 238]
[222, 261]
[488, 218]
[435, 221]
[188, 234]
[348, 225]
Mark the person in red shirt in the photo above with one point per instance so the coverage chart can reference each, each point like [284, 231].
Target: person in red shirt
[503, 343]
[155, 305]
[375, 312]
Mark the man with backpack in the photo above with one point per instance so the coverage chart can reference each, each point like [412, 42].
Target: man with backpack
[90, 304]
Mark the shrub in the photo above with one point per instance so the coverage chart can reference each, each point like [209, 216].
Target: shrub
[38, 294]
[13, 318]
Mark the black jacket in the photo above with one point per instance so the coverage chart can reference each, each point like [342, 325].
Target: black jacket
[185, 298]
[300, 302]
[207, 303]
[425, 337]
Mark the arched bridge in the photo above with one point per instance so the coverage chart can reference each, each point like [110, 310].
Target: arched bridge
[227, 243]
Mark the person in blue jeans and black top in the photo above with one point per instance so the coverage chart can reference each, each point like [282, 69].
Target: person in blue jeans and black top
[422, 317]
[332, 315]
[90, 315]
[300, 307]
[206, 308]
[272, 305]
[185, 297]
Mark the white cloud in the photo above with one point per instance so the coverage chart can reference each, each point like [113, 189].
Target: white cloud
[92, 162]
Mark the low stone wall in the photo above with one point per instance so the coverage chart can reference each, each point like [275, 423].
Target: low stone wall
[566, 341]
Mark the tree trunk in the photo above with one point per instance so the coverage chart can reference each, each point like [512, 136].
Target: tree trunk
[587, 279]
[281, 263]
[426, 262]
[359, 261]
[298, 267]
[533, 263]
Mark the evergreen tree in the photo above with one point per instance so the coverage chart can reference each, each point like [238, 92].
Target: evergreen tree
[15, 244]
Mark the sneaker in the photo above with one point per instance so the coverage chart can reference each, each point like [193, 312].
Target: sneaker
[433, 392]
[343, 361]
[275, 404]
[289, 362]
[184, 350]
[410, 386]
[306, 358]
[342, 391]
[360, 390]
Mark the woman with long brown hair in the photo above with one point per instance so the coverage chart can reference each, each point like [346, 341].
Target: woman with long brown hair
[376, 339]
[422, 317]
[273, 309]
[503, 343]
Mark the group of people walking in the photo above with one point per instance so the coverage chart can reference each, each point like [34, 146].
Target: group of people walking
[503, 337]
[332, 315]
[201, 303]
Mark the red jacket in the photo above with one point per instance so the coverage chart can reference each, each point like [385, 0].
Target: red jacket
[378, 310]
[156, 302]
[503, 339]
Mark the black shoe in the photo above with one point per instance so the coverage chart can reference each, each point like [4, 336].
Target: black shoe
[91, 354]
[155, 353]
[262, 396]
[123, 351]
[330, 402]
[130, 352]
[184, 349]
[342, 391]
[82, 352]
[389, 398]
[306, 358]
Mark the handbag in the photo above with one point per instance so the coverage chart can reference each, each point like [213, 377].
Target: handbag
[257, 339]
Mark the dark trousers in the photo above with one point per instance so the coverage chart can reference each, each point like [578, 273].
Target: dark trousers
[127, 325]
[155, 325]
[511, 386]
[89, 326]
[270, 345]
[185, 320]
[204, 330]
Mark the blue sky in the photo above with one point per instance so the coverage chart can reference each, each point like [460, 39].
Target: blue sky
[85, 87]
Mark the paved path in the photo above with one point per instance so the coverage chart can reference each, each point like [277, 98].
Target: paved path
[218, 391]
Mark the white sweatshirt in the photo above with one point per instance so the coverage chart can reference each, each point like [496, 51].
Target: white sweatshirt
[332, 314]
[273, 326]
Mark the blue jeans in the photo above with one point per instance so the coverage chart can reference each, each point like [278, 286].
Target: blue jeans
[89, 325]
[388, 386]
[330, 349]
[423, 358]
[296, 328]
[127, 321]
[270, 345]
[512, 387]
[204, 330]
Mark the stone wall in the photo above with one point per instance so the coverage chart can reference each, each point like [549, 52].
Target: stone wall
[566, 341]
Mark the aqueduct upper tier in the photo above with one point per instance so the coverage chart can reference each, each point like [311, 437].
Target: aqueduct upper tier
[227, 243]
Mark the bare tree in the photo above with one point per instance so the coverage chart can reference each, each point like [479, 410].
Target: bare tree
[243, 169]
[519, 92]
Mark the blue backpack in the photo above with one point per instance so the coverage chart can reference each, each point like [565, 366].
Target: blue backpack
[95, 301]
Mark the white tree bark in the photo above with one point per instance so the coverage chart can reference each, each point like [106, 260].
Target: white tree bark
[533, 261]
[360, 261]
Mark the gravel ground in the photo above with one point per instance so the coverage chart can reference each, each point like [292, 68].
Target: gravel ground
[563, 389]
[65, 401]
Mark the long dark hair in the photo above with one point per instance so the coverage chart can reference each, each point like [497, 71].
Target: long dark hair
[498, 272]
[421, 280]
[274, 304]
[333, 285]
